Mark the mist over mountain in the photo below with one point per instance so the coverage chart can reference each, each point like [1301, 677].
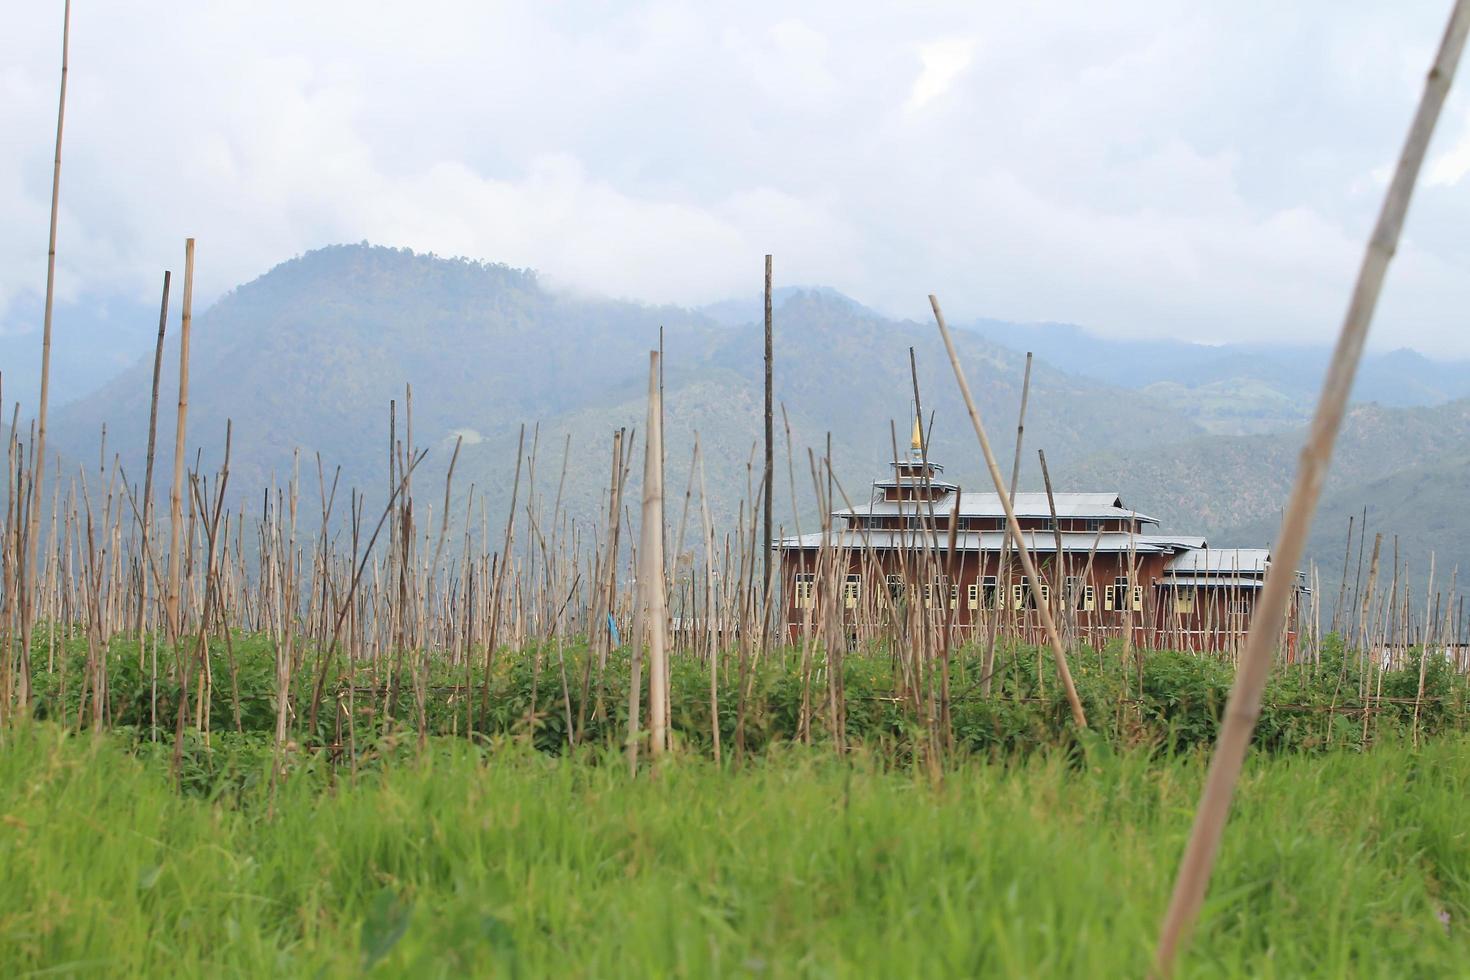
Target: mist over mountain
[305, 361]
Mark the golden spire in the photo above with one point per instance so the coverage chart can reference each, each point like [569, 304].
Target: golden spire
[917, 442]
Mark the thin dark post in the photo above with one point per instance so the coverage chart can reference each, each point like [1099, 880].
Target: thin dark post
[770, 466]
[1347, 559]
[148, 464]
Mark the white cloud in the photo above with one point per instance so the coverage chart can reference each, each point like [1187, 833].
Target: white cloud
[943, 62]
[1157, 169]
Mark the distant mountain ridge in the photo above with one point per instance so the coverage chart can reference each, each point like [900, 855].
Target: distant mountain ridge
[306, 359]
[1232, 488]
[1234, 389]
[311, 354]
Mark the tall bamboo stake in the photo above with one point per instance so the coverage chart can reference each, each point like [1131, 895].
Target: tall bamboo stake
[146, 531]
[770, 441]
[1244, 706]
[711, 634]
[1059, 654]
[651, 566]
[175, 495]
[38, 470]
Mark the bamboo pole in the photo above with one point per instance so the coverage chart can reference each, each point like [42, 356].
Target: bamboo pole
[1059, 654]
[1244, 705]
[181, 420]
[1346, 560]
[712, 636]
[770, 443]
[1003, 567]
[1059, 567]
[38, 468]
[651, 573]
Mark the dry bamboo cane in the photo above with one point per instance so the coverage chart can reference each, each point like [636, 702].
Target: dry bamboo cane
[1059, 568]
[1424, 649]
[1059, 653]
[175, 564]
[1244, 705]
[180, 428]
[146, 531]
[712, 637]
[1003, 569]
[651, 572]
[38, 469]
[770, 448]
[1358, 575]
[1346, 560]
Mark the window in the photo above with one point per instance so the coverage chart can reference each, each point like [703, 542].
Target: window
[852, 591]
[937, 588]
[1024, 598]
[973, 595]
[1092, 524]
[1138, 598]
[1184, 601]
[805, 588]
[895, 587]
[992, 591]
[1117, 597]
[1081, 596]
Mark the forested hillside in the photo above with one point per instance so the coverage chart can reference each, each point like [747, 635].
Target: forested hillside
[309, 356]
[1406, 465]
[1236, 389]
[306, 360]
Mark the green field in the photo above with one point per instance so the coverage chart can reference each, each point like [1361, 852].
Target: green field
[506, 861]
[511, 839]
[552, 697]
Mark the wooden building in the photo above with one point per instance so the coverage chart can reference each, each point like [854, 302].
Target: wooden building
[924, 547]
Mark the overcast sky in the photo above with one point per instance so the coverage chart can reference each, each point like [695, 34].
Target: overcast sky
[1201, 170]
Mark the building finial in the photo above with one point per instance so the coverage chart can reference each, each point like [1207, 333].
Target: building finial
[917, 442]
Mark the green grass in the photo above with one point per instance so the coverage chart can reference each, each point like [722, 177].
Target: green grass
[516, 863]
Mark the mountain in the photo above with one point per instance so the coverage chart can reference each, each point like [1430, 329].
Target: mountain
[1405, 464]
[309, 356]
[306, 359]
[1234, 389]
[93, 340]
[745, 310]
[1418, 509]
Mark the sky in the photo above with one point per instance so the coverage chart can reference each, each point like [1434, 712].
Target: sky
[1206, 171]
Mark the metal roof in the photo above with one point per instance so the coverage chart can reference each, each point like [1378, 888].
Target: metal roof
[1073, 542]
[1220, 561]
[1025, 504]
[943, 486]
